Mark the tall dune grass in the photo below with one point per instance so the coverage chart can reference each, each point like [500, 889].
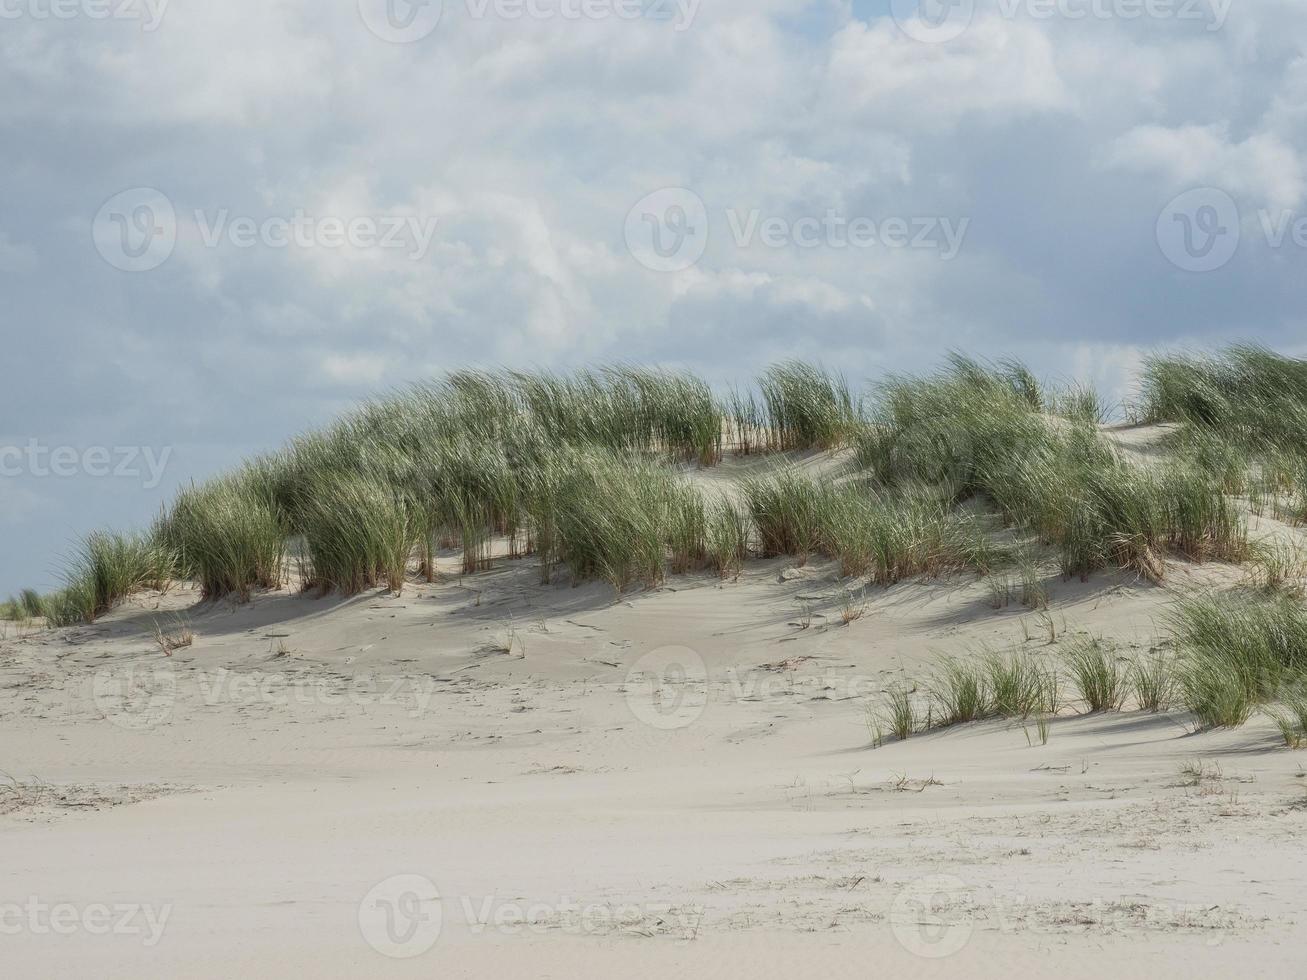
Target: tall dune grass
[105, 569]
[987, 432]
[227, 535]
[1237, 652]
[1247, 394]
[359, 532]
[807, 407]
[578, 468]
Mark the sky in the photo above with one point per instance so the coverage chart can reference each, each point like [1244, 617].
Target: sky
[222, 223]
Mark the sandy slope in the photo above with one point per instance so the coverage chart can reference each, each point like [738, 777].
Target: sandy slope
[679, 780]
[753, 827]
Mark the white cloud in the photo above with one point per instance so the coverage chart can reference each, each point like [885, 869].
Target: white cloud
[1262, 166]
[530, 142]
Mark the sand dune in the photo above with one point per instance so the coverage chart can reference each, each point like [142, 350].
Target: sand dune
[500, 740]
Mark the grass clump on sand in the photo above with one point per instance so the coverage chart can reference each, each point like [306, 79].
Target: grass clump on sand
[1153, 682]
[791, 512]
[806, 407]
[358, 532]
[227, 536]
[105, 569]
[1101, 678]
[886, 535]
[992, 685]
[1250, 396]
[898, 715]
[727, 537]
[1237, 652]
[988, 432]
[612, 520]
[959, 690]
[26, 606]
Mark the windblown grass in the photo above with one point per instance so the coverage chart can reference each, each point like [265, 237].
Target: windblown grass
[1018, 685]
[727, 537]
[806, 406]
[228, 536]
[105, 569]
[1247, 394]
[1237, 652]
[579, 468]
[359, 532]
[986, 431]
[26, 606]
[612, 520]
[1153, 682]
[1101, 677]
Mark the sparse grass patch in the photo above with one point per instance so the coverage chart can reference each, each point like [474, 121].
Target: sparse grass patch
[1100, 676]
[1237, 652]
[807, 407]
[1018, 685]
[852, 608]
[958, 690]
[176, 637]
[1290, 716]
[359, 532]
[227, 535]
[899, 715]
[1153, 682]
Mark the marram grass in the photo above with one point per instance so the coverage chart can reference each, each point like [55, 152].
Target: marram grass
[582, 471]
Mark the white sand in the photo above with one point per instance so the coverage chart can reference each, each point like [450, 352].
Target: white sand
[250, 812]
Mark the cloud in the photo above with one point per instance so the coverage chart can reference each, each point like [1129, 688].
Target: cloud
[528, 142]
[1262, 167]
